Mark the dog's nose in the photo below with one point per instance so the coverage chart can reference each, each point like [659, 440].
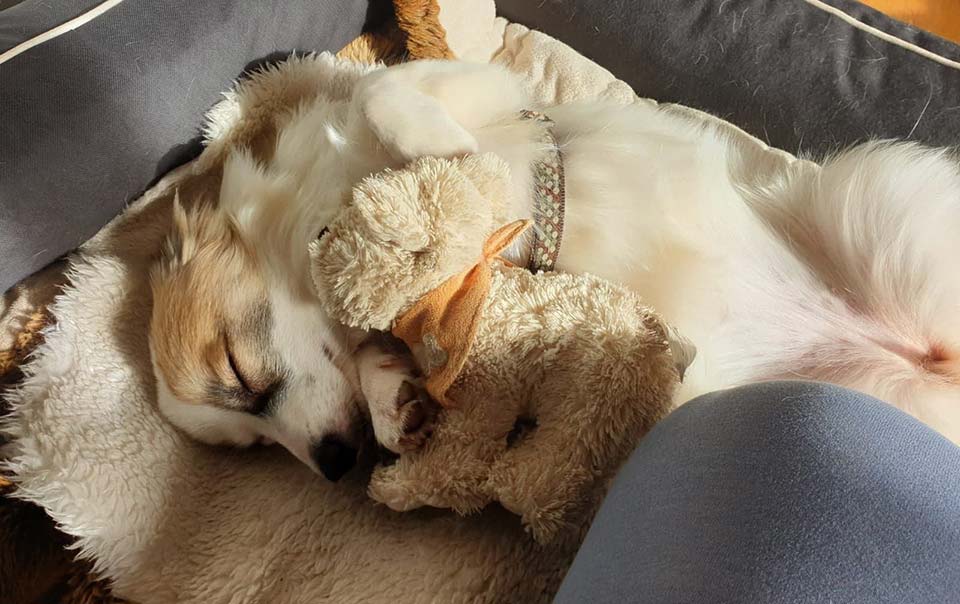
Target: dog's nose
[333, 457]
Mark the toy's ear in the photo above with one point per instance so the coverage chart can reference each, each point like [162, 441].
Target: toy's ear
[405, 232]
[434, 201]
[683, 350]
[491, 177]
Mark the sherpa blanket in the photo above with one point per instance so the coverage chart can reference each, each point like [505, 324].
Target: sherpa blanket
[169, 520]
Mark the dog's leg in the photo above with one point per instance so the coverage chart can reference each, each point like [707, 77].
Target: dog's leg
[401, 412]
[428, 108]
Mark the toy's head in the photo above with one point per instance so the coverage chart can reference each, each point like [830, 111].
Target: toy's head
[405, 233]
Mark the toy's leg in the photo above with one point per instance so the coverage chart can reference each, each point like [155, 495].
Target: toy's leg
[591, 407]
[543, 477]
[401, 412]
[428, 108]
[451, 470]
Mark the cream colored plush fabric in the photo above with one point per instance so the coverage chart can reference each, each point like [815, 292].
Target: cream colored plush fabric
[173, 521]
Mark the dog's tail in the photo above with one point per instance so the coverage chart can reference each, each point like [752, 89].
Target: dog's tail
[880, 225]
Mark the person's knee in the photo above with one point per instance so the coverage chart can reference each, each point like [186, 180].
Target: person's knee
[819, 433]
[788, 401]
[793, 415]
[793, 487]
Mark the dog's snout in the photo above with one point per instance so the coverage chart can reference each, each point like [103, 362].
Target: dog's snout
[333, 457]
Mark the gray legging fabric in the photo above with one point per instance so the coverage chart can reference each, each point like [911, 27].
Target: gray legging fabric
[778, 492]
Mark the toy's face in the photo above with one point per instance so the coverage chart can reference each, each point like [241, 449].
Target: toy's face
[241, 356]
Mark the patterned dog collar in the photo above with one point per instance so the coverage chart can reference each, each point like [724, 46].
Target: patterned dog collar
[549, 198]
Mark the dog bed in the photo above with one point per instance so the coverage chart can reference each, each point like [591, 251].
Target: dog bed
[168, 520]
[809, 76]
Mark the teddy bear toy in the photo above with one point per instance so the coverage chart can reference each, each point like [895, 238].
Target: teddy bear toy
[546, 382]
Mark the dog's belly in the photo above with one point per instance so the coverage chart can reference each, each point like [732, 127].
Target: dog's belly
[654, 204]
[650, 203]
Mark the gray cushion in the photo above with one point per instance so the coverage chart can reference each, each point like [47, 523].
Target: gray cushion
[90, 118]
[790, 73]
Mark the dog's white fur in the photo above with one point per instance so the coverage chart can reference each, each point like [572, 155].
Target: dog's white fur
[843, 272]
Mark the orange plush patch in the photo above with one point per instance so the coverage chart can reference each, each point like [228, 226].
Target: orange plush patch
[445, 320]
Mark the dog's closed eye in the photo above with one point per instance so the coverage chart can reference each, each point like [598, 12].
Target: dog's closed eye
[256, 400]
[234, 367]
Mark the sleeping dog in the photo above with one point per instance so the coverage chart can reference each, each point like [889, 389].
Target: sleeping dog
[843, 272]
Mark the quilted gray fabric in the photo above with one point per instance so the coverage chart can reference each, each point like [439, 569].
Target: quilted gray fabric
[787, 72]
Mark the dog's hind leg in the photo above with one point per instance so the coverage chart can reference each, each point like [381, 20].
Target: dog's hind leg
[428, 108]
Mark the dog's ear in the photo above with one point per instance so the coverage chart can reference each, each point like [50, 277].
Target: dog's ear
[190, 230]
[180, 244]
[171, 251]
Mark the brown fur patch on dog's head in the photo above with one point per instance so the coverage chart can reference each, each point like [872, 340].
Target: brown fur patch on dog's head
[206, 281]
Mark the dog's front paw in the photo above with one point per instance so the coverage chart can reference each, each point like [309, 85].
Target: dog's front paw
[401, 412]
[415, 414]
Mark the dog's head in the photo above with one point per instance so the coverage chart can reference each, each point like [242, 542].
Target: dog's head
[242, 351]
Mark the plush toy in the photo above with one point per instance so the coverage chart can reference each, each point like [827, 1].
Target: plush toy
[546, 381]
